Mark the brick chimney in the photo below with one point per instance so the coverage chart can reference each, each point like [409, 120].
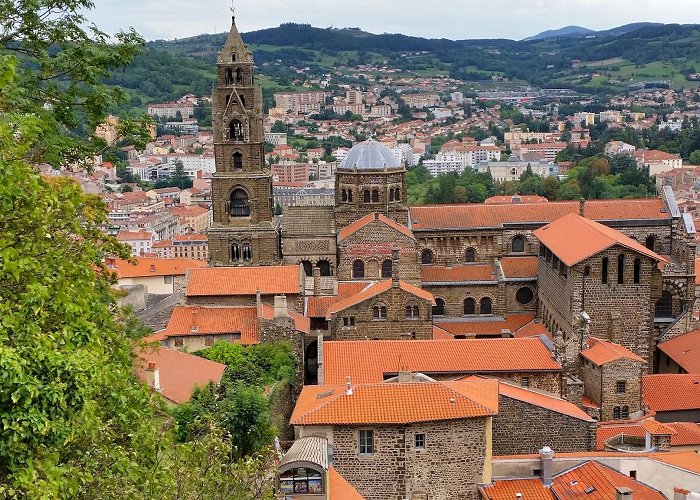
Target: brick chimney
[547, 458]
[394, 266]
[281, 306]
[623, 493]
[153, 377]
[258, 302]
[684, 494]
[582, 207]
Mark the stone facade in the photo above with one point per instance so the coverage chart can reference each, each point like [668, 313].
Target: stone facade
[521, 428]
[243, 231]
[601, 385]
[449, 468]
[396, 325]
[454, 296]
[352, 207]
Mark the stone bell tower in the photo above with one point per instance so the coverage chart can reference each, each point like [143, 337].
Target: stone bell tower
[244, 231]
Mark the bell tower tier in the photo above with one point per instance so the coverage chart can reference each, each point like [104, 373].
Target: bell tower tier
[244, 231]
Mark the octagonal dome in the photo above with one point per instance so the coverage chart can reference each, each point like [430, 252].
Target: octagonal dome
[370, 155]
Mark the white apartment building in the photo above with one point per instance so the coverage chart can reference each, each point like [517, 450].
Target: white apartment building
[442, 166]
[511, 170]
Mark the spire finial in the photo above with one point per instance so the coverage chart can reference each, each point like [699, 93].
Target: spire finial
[233, 10]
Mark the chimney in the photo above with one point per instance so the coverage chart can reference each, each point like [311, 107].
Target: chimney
[582, 207]
[394, 266]
[405, 376]
[506, 333]
[547, 456]
[316, 274]
[153, 377]
[258, 302]
[348, 385]
[281, 306]
[623, 493]
[319, 358]
[195, 324]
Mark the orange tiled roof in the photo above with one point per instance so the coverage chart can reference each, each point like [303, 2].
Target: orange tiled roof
[368, 219]
[317, 305]
[512, 322]
[141, 234]
[531, 489]
[684, 350]
[395, 403]
[269, 280]
[601, 352]
[375, 289]
[472, 216]
[367, 361]
[179, 372]
[538, 398]
[514, 199]
[197, 320]
[458, 274]
[339, 488]
[153, 266]
[532, 329]
[668, 392]
[519, 267]
[688, 460]
[573, 238]
[573, 485]
[657, 428]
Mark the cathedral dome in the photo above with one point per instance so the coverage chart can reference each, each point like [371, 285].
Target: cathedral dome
[370, 155]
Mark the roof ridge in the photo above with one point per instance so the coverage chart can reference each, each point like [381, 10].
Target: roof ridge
[489, 410]
[324, 404]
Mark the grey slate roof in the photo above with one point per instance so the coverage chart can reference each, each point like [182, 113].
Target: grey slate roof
[369, 155]
[308, 220]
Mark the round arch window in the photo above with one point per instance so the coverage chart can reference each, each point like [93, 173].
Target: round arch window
[524, 295]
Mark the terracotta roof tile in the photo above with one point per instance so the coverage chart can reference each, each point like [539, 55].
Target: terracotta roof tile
[688, 460]
[458, 274]
[519, 267]
[512, 322]
[197, 320]
[179, 372]
[153, 266]
[514, 199]
[269, 280]
[395, 403]
[367, 361]
[594, 481]
[601, 352]
[573, 239]
[339, 488]
[531, 489]
[539, 398]
[684, 350]
[375, 289]
[469, 216]
[668, 392]
[351, 229]
[317, 305]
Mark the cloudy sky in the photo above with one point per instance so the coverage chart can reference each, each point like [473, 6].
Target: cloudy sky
[455, 19]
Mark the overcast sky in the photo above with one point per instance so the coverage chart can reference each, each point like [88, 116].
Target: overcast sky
[454, 19]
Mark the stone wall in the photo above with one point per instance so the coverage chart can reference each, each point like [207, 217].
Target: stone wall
[623, 370]
[294, 302]
[263, 241]
[450, 466]
[347, 212]
[521, 428]
[454, 296]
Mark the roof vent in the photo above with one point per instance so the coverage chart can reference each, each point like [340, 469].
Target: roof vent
[348, 390]
[325, 394]
[589, 490]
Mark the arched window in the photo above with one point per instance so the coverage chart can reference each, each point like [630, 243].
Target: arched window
[616, 413]
[247, 253]
[324, 267]
[412, 312]
[237, 160]
[625, 412]
[343, 195]
[358, 269]
[637, 270]
[485, 306]
[350, 195]
[379, 312]
[621, 268]
[650, 243]
[235, 252]
[397, 194]
[386, 268]
[426, 257]
[439, 307]
[391, 194]
[308, 270]
[469, 306]
[229, 76]
[366, 196]
[375, 195]
[239, 203]
[239, 76]
[604, 271]
[233, 57]
[664, 306]
[235, 130]
[470, 255]
[517, 244]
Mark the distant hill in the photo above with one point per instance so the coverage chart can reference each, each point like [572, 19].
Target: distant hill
[566, 31]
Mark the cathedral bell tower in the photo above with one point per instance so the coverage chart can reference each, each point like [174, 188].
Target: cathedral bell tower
[244, 231]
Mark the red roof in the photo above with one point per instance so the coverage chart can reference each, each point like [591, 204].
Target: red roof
[458, 273]
[514, 199]
[519, 267]
[573, 239]
[684, 350]
[544, 400]
[317, 305]
[154, 266]
[601, 352]
[141, 234]
[179, 372]
[367, 361]
[395, 403]
[269, 280]
[339, 488]
[512, 322]
[671, 392]
[368, 219]
[505, 489]
[470, 216]
[197, 320]
[597, 482]
[375, 289]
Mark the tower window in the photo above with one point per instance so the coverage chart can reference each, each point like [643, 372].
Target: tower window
[375, 195]
[239, 76]
[387, 268]
[650, 243]
[343, 195]
[412, 312]
[604, 271]
[391, 194]
[426, 257]
[439, 307]
[235, 252]
[308, 271]
[621, 268]
[229, 76]
[379, 312]
[247, 254]
[485, 306]
[470, 255]
[235, 131]
[469, 306]
[233, 57]
[358, 269]
[637, 270]
[397, 194]
[518, 244]
[350, 195]
[237, 160]
[664, 306]
[239, 206]
[324, 267]
[366, 196]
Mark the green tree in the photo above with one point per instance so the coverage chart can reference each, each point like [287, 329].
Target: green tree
[695, 156]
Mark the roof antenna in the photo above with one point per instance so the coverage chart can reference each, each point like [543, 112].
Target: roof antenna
[233, 10]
